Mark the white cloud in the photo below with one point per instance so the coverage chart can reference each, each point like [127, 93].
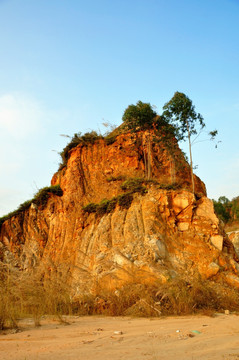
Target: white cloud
[19, 115]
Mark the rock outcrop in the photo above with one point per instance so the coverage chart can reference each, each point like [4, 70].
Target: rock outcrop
[161, 231]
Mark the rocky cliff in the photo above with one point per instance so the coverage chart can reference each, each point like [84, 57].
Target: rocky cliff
[127, 213]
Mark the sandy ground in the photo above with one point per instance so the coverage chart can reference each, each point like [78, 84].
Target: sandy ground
[103, 338]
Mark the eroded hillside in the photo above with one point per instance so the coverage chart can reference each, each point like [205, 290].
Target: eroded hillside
[127, 213]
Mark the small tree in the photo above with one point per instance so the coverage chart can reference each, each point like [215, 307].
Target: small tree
[222, 208]
[139, 117]
[180, 111]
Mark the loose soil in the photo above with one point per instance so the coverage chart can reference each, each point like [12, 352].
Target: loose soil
[107, 338]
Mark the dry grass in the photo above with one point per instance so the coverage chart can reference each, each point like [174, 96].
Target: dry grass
[34, 293]
[182, 297]
[9, 309]
[176, 297]
[42, 292]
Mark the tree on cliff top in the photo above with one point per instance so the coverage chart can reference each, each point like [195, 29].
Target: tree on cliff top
[140, 116]
[180, 111]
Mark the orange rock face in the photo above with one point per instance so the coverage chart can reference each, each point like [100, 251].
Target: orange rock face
[163, 231]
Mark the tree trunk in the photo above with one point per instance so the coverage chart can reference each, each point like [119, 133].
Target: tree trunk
[191, 160]
[145, 160]
[149, 158]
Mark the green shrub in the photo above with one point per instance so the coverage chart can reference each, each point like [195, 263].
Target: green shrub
[108, 206]
[90, 208]
[22, 207]
[76, 140]
[112, 204]
[102, 207]
[41, 197]
[111, 136]
[125, 200]
[227, 210]
[134, 185]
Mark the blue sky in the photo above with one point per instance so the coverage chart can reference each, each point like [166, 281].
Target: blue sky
[67, 66]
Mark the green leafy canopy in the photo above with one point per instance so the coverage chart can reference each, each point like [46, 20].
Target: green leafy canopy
[140, 116]
[180, 111]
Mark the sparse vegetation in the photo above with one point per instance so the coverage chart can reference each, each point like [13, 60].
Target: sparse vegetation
[85, 139]
[104, 207]
[40, 199]
[108, 206]
[90, 208]
[134, 185]
[78, 138]
[131, 186]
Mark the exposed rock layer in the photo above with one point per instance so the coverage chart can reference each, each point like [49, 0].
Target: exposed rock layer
[161, 233]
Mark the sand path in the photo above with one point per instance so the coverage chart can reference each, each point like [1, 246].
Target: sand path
[94, 338]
